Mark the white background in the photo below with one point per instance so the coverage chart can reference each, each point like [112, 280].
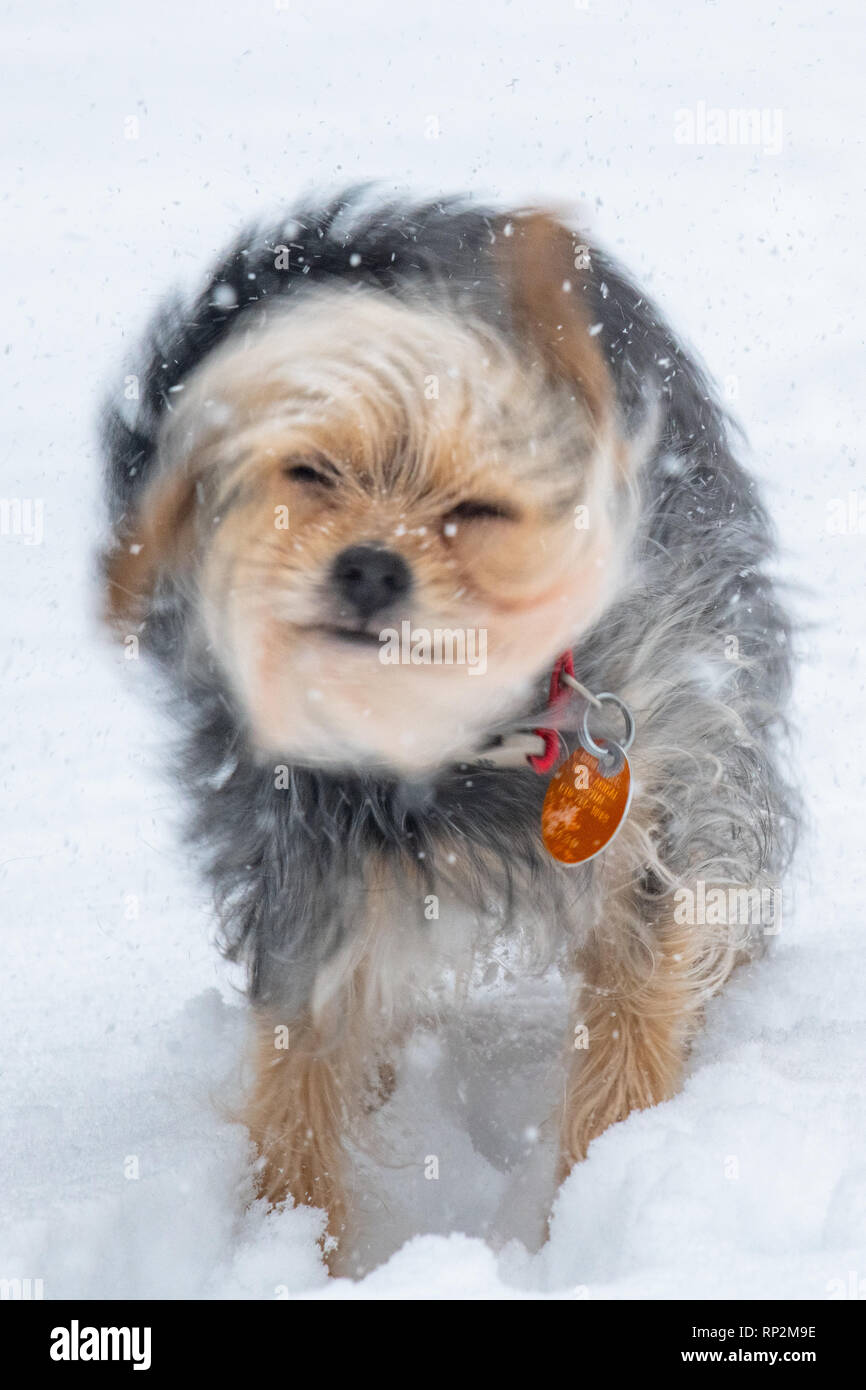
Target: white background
[122, 1033]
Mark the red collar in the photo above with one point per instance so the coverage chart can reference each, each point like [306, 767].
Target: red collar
[543, 762]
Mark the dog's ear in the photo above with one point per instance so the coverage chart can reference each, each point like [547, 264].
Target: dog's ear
[157, 540]
[544, 267]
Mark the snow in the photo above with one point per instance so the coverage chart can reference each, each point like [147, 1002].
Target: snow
[122, 1031]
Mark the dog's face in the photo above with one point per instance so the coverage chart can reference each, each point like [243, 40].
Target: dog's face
[390, 522]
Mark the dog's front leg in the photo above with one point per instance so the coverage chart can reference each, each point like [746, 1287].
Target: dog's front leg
[318, 1075]
[652, 956]
[308, 1088]
[641, 1003]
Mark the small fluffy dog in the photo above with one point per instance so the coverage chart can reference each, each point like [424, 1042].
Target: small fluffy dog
[389, 419]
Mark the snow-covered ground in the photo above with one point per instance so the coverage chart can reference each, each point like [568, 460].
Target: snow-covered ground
[121, 1028]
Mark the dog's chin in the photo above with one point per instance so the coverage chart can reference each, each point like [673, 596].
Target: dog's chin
[415, 747]
[323, 696]
[347, 712]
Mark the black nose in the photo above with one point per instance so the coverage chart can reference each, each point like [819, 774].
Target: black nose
[368, 579]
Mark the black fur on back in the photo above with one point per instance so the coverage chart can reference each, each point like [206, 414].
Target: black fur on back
[287, 864]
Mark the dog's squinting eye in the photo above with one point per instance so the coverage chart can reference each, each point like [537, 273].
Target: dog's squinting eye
[480, 511]
[306, 473]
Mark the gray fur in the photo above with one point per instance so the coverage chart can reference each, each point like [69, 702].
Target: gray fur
[286, 864]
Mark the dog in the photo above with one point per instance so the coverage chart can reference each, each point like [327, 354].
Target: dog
[383, 419]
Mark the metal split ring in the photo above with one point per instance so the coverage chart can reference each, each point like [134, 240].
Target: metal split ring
[586, 739]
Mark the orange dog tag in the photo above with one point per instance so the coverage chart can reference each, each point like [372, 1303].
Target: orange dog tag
[585, 805]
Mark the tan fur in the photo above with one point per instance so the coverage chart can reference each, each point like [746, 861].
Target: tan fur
[342, 382]
[311, 1096]
[645, 983]
[640, 1012]
[158, 541]
[302, 1101]
[543, 261]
